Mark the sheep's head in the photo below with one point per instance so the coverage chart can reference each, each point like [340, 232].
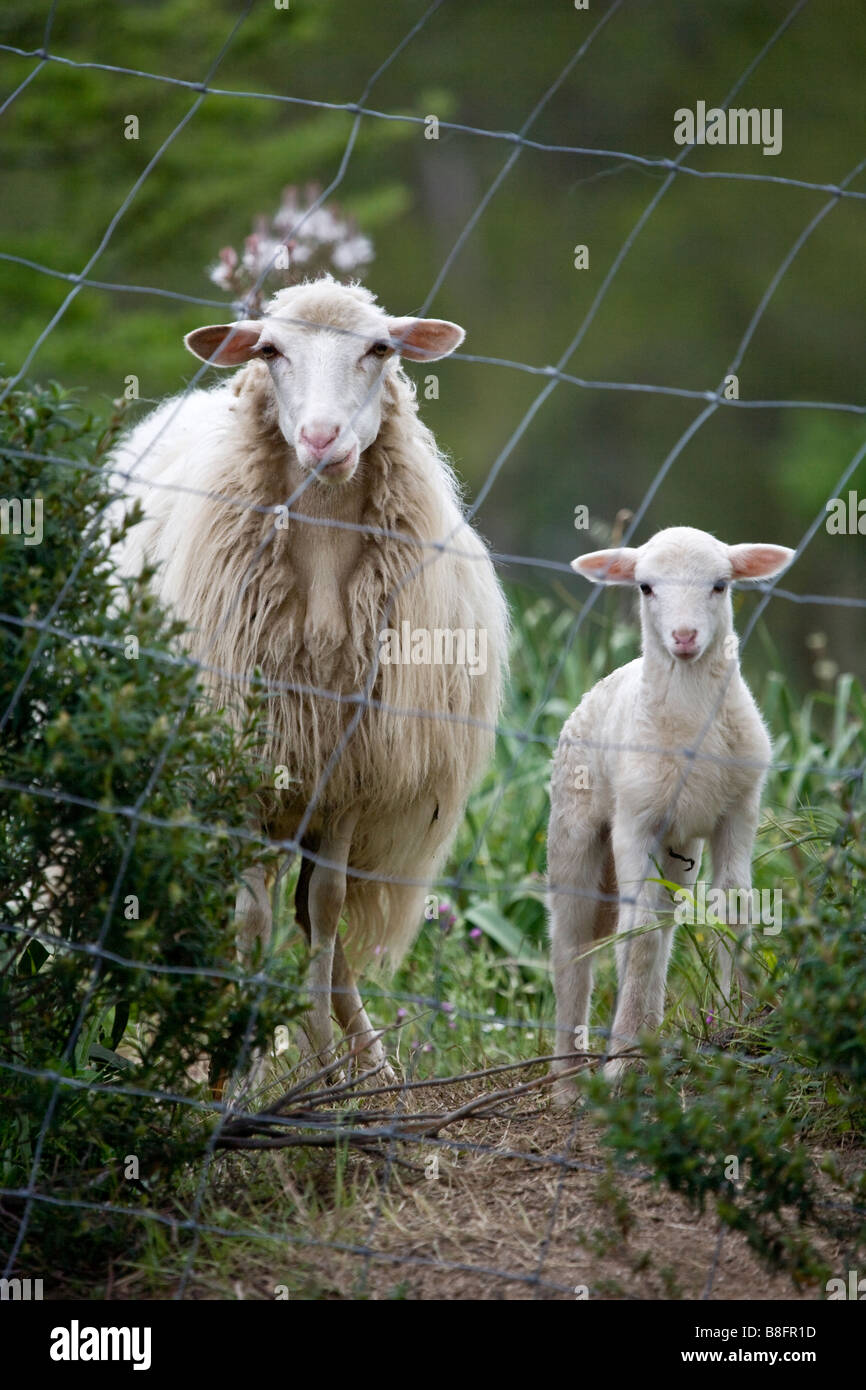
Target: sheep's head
[684, 577]
[329, 349]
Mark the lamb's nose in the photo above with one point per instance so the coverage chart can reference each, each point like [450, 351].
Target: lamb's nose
[685, 636]
[319, 437]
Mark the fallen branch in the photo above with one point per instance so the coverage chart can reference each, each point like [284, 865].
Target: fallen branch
[307, 1125]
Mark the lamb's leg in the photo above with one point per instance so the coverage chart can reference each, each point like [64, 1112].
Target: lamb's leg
[576, 855]
[642, 959]
[327, 894]
[354, 1020]
[731, 848]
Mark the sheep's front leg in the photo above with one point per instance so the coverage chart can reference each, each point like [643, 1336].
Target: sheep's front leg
[642, 955]
[253, 925]
[731, 848]
[253, 917]
[327, 894]
[354, 1020]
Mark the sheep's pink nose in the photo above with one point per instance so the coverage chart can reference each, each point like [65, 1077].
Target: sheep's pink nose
[685, 636]
[319, 437]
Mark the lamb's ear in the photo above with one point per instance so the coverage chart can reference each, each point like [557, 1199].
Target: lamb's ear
[607, 566]
[225, 344]
[758, 561]
[423, 340]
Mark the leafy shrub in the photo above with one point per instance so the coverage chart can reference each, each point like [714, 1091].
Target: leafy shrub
[118, 792]
[735, 1121]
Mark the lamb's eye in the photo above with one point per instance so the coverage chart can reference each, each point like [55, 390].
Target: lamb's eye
[646, 588]
[720, 586]
[267, 350]
[379, 350]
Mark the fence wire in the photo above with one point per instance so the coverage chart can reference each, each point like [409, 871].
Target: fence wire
[303, 1116]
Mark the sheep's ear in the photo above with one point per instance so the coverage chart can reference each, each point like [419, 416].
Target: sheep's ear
[423, 340]
[607, 566]
[225, 344]
[758, 561]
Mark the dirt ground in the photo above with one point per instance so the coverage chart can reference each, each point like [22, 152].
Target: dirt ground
[533, 1210]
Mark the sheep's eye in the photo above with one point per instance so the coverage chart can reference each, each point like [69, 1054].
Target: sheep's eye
[720, 586]
[267, 350]
[646, 588]
[379, 350]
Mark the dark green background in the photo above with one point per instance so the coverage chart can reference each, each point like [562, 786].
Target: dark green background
[674, 314]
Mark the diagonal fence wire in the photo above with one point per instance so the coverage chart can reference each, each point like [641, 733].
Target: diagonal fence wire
[671, 170]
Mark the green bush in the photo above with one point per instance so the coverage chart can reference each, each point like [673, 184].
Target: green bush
[117, 862]
[738, 1120]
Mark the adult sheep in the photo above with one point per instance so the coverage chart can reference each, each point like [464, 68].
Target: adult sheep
[293, 515]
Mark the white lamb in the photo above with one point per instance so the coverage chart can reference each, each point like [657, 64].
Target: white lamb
[323, 417]
[664, 753]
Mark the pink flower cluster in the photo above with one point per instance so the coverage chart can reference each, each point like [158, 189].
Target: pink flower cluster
[302, 238]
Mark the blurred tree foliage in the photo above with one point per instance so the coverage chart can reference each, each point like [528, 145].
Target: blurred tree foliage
[675, 312]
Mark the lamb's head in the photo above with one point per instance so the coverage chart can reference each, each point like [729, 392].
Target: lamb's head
[330, 350]
[684, 577]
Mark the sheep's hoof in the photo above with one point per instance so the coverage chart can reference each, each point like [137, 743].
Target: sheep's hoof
[316, 1052]
[241, 1090]
[377, 1062]
[387, 1076]
[614, 1071]
[563, 1095]
[218, 1085]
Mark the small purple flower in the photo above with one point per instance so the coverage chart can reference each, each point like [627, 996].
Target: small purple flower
[711, 1018]
[428, 1047]
[401, 1013]
[446, 918]
[475, 933]
[446, 1007]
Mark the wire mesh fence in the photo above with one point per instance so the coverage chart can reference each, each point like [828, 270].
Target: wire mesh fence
[328, 1108]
